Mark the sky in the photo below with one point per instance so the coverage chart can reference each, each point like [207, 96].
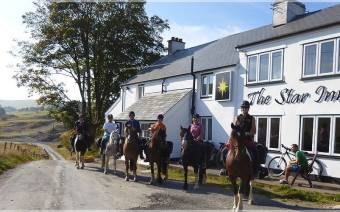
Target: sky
[196, 22]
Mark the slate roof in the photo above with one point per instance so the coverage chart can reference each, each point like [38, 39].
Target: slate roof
[223, 53]
[148, 107]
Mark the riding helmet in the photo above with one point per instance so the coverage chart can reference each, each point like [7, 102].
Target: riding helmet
[196, 116]
[132, 113]
[245, 104]
[160, 116]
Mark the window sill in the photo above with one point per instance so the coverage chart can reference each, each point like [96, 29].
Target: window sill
[320, 77]
[206, 97]
[337, 157]
[274, 151]
[265, 83]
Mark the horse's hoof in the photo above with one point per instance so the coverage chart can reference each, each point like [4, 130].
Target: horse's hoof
[159, 180]
[134, 179]
[77, 167]
[105, 172]
[151, 182]
[126, 179]
[82, 167]
[196, 187]
[250, 202]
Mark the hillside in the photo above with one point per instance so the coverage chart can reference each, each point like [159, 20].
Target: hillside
[18, 104]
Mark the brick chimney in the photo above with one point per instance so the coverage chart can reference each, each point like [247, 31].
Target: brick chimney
[175, 44]
[285, 11]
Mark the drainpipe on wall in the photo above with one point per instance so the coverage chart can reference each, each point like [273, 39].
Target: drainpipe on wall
[163, 86]
[193, 109]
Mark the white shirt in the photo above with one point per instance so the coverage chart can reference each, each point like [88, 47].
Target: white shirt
[109, 127]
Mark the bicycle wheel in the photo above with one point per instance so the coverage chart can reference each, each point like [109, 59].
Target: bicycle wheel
[317, 168]
[277, 166]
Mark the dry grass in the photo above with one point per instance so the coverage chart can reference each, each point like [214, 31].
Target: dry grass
[16, 154]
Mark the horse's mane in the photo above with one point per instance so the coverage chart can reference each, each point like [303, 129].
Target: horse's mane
[159, 134]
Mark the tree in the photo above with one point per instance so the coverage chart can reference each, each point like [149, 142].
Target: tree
[95, 44]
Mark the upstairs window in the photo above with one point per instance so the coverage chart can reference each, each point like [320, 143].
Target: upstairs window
[265, 67]
[140, 91]
[207, 85]
[321, 58]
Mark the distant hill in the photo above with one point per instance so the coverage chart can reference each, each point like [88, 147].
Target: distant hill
[18, 104]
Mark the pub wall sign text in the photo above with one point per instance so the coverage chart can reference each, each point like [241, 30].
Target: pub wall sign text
[290, 96]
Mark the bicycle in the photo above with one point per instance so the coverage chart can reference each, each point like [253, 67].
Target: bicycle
[278, 164]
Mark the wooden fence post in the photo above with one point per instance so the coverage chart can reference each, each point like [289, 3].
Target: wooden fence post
[5, 146]
[10, 146]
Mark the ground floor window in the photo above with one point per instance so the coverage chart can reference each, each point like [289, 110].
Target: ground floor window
[320, 134]
[145, 129]
[207, 128]
[268, 131]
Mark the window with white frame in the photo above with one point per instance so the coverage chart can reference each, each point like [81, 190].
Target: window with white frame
[321, 58]
[320, 134]
[207, 128]
[268, 131]
[265, 67]
[144, 126]
[140, 91]
[207, 85]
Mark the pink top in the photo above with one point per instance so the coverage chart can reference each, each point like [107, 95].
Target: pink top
[196, 131]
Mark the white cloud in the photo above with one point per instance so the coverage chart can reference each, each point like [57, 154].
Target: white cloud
[194, 35]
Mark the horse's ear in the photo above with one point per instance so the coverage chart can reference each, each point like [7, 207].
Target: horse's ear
[181, 127]
[232, 125]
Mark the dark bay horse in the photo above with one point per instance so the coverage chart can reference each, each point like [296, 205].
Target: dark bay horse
[158, 151]
[239, 165]
[131, 151]
[192, 155]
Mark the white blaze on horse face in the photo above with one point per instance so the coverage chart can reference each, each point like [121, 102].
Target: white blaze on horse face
[184, 143]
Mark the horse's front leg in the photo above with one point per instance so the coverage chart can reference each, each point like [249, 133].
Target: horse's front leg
[107, 158]
[126, 169]
[103, 160]
[82, 160]
[197, 173]
[114, 164]
[77, 160]
[152, 180]
[185, 186]
[134, 164]
[251, 197]
[159, 169]
[235, 191]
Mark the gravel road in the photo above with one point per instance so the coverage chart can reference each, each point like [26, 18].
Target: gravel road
[57, 184]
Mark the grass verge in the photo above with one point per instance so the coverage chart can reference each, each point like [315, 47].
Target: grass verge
[22, 153]
[282, 193]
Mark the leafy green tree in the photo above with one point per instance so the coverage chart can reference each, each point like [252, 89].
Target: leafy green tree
[95, 44]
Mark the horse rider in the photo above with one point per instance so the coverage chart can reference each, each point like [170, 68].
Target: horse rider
[81, 129]
[248, 124]
[159, 125]
[108, 128]
[135, 124]
[196, 131]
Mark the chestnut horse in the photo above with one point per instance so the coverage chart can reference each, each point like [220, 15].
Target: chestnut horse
[239, 165]
[131, 151]
[158, 151]
[192, 155]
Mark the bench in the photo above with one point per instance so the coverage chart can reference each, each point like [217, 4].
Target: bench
[305, 173]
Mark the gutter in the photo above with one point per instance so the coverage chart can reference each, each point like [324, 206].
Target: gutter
[193, 109]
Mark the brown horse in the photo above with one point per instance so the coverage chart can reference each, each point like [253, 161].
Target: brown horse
[239, 165]
[131, 151]
[193, 155]
[158, 151]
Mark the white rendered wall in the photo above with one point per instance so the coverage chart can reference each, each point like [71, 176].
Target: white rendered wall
[293, 59]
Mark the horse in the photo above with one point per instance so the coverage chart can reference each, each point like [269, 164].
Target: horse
[239, 165]
[192, 154]
[112, 148]
[158, 151]
[80, 148]
[131, 151]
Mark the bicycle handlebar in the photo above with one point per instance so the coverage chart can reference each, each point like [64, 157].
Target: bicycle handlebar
[286, 148]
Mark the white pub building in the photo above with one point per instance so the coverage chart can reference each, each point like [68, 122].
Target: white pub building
[288, 70]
